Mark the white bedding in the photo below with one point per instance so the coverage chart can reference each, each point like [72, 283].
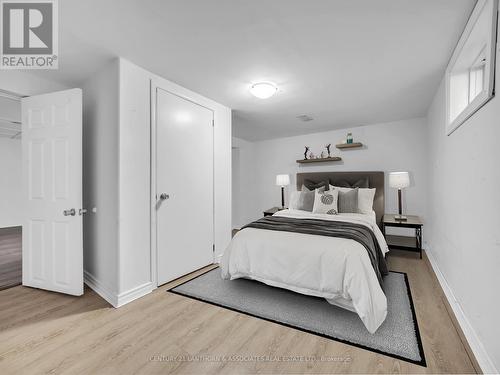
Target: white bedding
[336, 269]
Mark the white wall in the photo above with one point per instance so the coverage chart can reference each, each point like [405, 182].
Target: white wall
[395, 146]
[463, 220]
[10, 109]
[134, 176]
[100, 180]
[27, 84]
[245, 196]
[10, 187]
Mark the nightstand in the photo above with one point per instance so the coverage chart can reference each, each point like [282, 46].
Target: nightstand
[404, 242]
[272, 211]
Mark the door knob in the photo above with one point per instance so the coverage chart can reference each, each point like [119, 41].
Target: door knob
[164, 196]
[82, 211]
[71, 212]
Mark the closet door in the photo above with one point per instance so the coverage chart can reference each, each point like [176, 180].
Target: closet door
[184, 186]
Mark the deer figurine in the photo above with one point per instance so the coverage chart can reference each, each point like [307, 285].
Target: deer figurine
[328, 149]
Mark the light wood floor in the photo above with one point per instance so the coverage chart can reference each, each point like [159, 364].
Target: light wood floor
[43, 332]
[10, 257]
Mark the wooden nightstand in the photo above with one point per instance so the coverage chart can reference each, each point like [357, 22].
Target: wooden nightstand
[272, 211]
[404, 242]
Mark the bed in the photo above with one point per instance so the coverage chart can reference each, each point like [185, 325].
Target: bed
[317, 254]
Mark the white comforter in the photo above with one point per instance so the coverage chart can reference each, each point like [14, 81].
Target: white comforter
[334, 268]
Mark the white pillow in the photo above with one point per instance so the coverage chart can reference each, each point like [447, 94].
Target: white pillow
[293, 200]
[342, 189]
[365, 198]
[326, 202]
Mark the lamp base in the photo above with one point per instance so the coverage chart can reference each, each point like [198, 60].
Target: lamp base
[400, 218]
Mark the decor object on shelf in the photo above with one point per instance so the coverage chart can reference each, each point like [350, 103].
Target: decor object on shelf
[282, 180]
[305, 152]
[328, 149]
[399, 180]
[349, 145]
[312, 160]
[263, 90]
[349, 138]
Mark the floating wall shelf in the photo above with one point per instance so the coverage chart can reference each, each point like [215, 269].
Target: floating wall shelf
[349, 145]
[322, 160]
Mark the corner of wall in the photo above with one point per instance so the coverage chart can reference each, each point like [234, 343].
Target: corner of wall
[100, 183]
[93, 283]
[134, 176]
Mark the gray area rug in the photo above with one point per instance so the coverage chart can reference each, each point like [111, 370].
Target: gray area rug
[397, 337]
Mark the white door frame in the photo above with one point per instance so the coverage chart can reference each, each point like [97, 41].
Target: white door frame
[155, 85]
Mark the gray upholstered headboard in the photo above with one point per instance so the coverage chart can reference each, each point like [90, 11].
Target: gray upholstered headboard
[375, 179]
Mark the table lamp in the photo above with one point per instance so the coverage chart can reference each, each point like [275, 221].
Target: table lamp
[282, 180]
[399, 180]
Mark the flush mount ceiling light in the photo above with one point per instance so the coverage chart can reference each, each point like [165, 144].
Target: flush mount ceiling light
[305, 118]
[263, 90]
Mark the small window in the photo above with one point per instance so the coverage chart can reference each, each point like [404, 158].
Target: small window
[470, 73]
[476, 76]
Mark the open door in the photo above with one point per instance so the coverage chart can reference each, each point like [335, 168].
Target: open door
[52, 189]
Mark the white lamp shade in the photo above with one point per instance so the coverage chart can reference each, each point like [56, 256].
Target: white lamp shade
[399, 180]
[282, 180]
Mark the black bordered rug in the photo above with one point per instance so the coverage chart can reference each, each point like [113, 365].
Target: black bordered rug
[397, 337]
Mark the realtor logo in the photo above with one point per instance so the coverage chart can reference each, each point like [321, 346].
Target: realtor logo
[29, 34]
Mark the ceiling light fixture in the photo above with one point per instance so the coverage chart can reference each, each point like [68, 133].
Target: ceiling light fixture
[305, 118]
[263, 90]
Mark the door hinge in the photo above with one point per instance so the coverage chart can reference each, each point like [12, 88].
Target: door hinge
[213, 248]
[213, 122]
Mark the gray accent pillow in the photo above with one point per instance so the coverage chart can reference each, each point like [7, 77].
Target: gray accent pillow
[361, 183]
[311, 185]
[348, 201]
[306, 199]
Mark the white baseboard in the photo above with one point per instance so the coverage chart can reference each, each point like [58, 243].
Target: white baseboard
[475, 344]
[134, 293]
[114, 299]
[100, 289]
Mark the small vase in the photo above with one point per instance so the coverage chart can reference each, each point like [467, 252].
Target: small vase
[349, 138]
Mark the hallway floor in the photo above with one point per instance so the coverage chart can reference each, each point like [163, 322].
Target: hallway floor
[10, 257]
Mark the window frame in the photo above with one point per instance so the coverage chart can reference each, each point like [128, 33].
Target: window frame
[489, 74]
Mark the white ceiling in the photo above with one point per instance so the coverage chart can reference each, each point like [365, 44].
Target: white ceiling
[343, 62]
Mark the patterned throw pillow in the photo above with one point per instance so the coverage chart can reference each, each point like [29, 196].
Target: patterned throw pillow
[326, 202]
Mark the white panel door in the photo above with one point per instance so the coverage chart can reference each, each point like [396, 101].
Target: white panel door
[52, 189]
[184, 186]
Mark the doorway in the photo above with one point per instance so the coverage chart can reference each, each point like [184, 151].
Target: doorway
[10, 191]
